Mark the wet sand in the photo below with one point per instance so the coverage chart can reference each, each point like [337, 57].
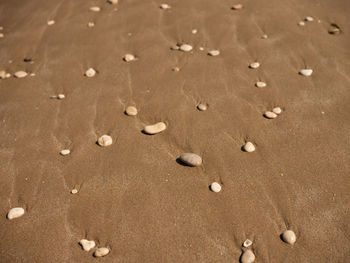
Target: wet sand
[134, 196]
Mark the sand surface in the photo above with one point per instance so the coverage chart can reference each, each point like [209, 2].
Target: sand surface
[134, 197]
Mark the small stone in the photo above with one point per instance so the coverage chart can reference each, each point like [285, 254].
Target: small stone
[334, 31]
[201, 48]
[176, 69]
[264, 36]
[214, 53]
[95, 9]
[247, 256]
[61, 96]
[113, 2]
[165, 6]
[8, 75]
[202, 107]
[215, 187]
[87, 245]
[191, 159]
[20, 74]
[306, 72]
[254, 65]
[270, 115]
[175, 47]
[186, 47]
[105, 140]
[155, 128]
[131, 111]
[237, 7]
[15, 213]
[277, 110]
[91, 24]
[247, 243]
[301, 23]
[32, 74]
[129, 57]
[90, 73]
[194, 31]
[65, 152]
[249, 147]
[51, 22]
[1, 35]
[101, 252]
[1, 27]
[309, 18]
[289, 237]
[2, 74]
[74, 191]
[260, 84]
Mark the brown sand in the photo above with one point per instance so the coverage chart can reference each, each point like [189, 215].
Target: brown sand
[133, 196]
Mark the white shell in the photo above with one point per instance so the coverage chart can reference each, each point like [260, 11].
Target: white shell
[2, 35]
[237, 7]
[264, 36]
[309, 18]
[129, 57]
[61, 96]
[155, 128]
[301, 23]
[90, 73]
[249, 147]
[254, 65]
[194, 31]
[165, 6]
[215, 187]
[113, 2]
[95, 9]
[105, 140]
[15, 213]
[306, 72]
[91, 24]
[74, 191]
[186, 47]
[51, 22]
[191, 159]
[260, 84]
[101, 252]
[247, 243]
[2, 74]
[277, 110]
[202, 107]
[131, 111]
[270, 115]
[20, 74]
[248, 256]
[289, 237]
[65, 152]
[87, 245]
[214, 53]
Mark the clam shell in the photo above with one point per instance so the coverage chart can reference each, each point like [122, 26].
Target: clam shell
[15, 213]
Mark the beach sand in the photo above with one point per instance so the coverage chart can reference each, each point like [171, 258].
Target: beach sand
[134, 196]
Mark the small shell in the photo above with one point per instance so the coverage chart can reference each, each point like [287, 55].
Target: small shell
[215, 187]
[176, 69]
[306, 72]
[194, 31]
[20, 74]
[113, 2]
[237, 7]
[95, 9]
[186, 47]
[247, 243]
[289, 237]
[270, 115]
[91, 24]
[247, 256]
[101, 252]
[309, 18]
[301, 23]
[2, 35]
[260, 84]
[90, 73]
[61, 96]
[65, 152]
[165, 6]
[264, 36]
[175, 47]
[74, 191]
[277, 110]
[2, 74]
[15, 213]
[105, 140]
[129, 57]
[131, 111]
[254, 65]
[249, 147]
[202, 107]
[87, 245]
[334, 31]
[214, 53]
[51, 22]
[155, 128]
[191, 159]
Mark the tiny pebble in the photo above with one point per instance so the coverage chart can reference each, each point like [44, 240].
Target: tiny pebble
[32, 74]
[247, 243]
[194, 31]
[289, 237]
[260, 84]
[2, 35]
[334, 31]
[254, 65]
[277, 110]
[90, 73]
[101, 252]
[306, 72]
[249, 147]
[191, 159]
[95, 9]
[264, 36]
[74, 191]
[186, 47]
[270, 115]
[2, 74]
[105, 140]
[1, 27]
[87, 245]
[237, 7]
[51, 22]
[91, 24]
[247, 256]
[113, 2]
[21, 74]
[214, 53]
[202, 107]
[301, 23]
[129, 57]
[201, 48]
[176, 69]
[15, 213]
[8, 75]
[309, 18]
[165, 6]
[131, 111]
[215, 187]
[155, 128]
[65, 152]
[61, 96]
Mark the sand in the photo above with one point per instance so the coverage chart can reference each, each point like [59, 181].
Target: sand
[133, 197]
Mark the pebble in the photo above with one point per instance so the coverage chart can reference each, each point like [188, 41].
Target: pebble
[51, 22]
[131, 111]
[306, 72]
[264, 36]
[2, 35]
[113, 2]
[289, 237]
[87, 245]
[270, 115]
[155, 128]
[101, 252]
[2, 74]
[61, 96]
[165, 6]
[254, 65]
[260, 84]
[20, 74]
[95, 9]
[191, 159]
[309, 18]
[214, 53]
[247, 243]
[90, 73]
[91, 24]
[201, 48]
[215, 187]
[74, 191]
[249, 147]
[301, 23]
[202, 107]
[105, 140]
[247, 256]
[194, 31]
[334, 31]
[8, 75]
[129, 57]
[1, 27]
[277, 110]
[186, 47]
[175, 47]
[65, 152]
[176, 69]
[15, 213]
[237, 7]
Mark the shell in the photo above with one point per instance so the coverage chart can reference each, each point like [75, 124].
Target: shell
[301, 23]
[113, 2]
[129, 57]
[215, 187]
[309, 18]
[237, 7]
[20, 74]
[202, 107]
[191, 159]
[105, 140]
[214, 53]
[249, 147]
[254, 65]
[289, 237]
[90, 73]
[65, 152]
[306, 72]
[51, 22]
[2, 74]
[74, 191]
[95, 9]
[277, 110]
[101, 252]
[247, 256]
[131, 111]
[91, 24]
[186, 47]
[87, 245]
[61, 96]
[260, 84]
[165, 6]
[270, 115]
[155, 128]
[15, 213]
[247, 243]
